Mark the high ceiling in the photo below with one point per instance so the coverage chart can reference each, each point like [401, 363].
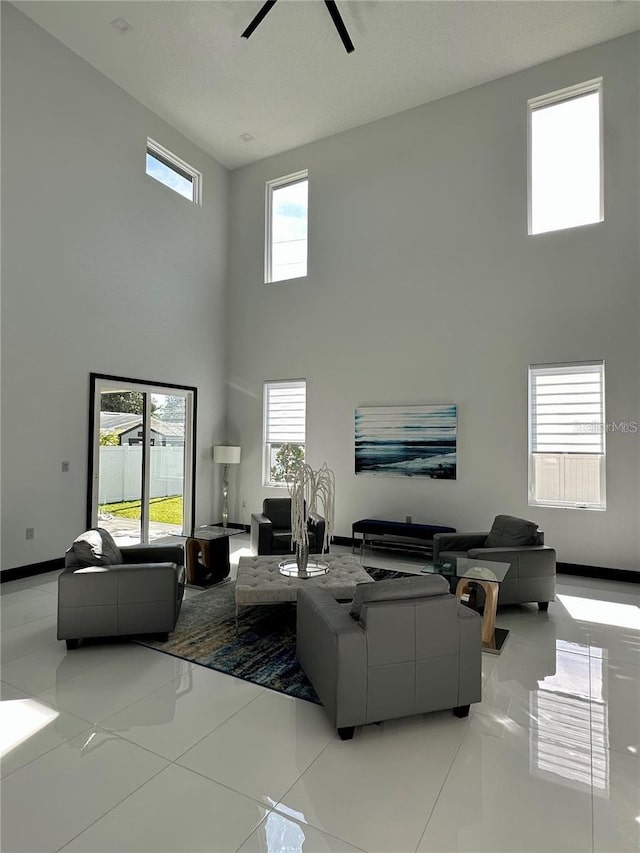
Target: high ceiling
[292, 82]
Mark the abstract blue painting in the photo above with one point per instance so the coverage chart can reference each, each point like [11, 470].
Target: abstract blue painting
[407, 441]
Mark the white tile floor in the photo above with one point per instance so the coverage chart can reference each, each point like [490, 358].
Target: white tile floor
[115, 747]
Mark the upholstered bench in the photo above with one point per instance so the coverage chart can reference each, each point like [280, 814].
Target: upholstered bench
[398, 531]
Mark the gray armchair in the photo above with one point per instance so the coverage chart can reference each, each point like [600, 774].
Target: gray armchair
[107, 591]
[271, 529]
[403, 647]
[532, 576]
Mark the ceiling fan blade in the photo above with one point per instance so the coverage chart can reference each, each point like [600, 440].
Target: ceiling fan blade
[336, 17]
[268, 6]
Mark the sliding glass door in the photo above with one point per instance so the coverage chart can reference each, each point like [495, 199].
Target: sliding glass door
[142, 459]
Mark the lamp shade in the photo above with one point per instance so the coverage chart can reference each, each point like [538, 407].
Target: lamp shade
[227, 454]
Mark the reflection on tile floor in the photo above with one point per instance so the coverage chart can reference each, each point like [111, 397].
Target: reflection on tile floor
[114, 741]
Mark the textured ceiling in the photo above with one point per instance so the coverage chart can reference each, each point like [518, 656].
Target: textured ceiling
[292, 82]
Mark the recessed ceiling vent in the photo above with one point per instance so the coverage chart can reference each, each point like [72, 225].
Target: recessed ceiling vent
[121, 25]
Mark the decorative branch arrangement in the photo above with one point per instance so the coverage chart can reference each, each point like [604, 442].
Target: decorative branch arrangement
[308, 488]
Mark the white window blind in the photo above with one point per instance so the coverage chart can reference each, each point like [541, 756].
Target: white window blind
[567, 408]
[567, 435]
[286, 405]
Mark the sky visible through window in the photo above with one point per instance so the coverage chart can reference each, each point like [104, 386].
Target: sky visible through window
[289, 231]
[565, 164]
[156, 169]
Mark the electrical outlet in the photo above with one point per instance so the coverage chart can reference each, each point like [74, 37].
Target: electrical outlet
[244, 504]
[65, 466]
[30, 533]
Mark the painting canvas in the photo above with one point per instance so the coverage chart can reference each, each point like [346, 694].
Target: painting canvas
[407, 441]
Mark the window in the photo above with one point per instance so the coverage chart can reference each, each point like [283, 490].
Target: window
[565, 158]
[173, 172]
[285, 409]
[286, 231]
[567, 435]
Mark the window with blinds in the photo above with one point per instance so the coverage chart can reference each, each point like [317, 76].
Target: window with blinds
[285, 414]
[567, 435]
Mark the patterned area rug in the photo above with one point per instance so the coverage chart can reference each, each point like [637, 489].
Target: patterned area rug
[264, 652]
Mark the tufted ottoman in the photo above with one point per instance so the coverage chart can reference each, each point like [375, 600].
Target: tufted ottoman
[259, 581]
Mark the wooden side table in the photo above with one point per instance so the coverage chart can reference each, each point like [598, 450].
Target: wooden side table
[207, 555]
[491, 590]
[473, 575]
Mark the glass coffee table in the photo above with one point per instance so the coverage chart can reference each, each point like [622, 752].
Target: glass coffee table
[471, 574]
[207, 554]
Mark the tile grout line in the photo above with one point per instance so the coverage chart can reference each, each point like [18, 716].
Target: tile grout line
[17, 627]
[214, 729]
[109, 810]
[226, 787]
[444, 782]
[99, 721]
[307, 823]
[47, 751]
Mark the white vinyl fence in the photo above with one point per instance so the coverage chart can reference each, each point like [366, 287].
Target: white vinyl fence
[121, 472]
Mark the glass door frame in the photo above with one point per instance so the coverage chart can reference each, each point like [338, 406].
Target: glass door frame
[96, 383]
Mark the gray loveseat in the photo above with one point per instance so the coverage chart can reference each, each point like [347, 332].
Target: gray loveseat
[403, 647]
[107, 591]
[532, 575]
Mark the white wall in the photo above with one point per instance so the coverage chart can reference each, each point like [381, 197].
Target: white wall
[424, 287]
[104, 270]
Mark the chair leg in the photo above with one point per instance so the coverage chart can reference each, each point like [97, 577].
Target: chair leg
[72, 644]
[543, 606]
[461, 711]
[346, 732]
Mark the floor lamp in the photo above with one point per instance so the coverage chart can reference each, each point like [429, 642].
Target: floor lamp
[226, 455]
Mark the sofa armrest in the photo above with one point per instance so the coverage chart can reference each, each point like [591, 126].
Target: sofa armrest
[457, 542]
[331, 648]
[527, 560]
[261, 534]
[317, 524]
[470, 661]
[504, 554]
[153, 554]
[164, 567]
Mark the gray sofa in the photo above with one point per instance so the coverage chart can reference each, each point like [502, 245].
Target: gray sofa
[106, 591]
[403, 647]
[532, 575]
[271, 529]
